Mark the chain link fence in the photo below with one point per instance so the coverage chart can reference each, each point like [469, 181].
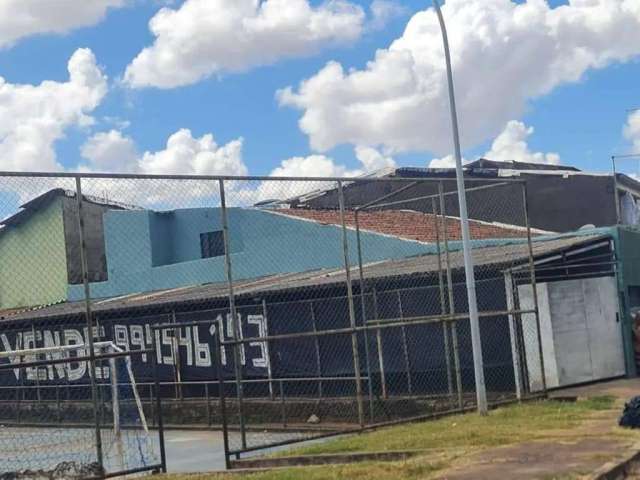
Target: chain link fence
[278, 310]
[383, 335]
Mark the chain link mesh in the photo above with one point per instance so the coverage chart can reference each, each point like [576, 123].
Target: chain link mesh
[283, 310]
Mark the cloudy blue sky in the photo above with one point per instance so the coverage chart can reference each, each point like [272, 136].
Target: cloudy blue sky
[306, 87]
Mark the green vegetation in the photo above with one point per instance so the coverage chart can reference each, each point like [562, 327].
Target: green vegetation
[418, 468]
[443, 441]
[503, 426]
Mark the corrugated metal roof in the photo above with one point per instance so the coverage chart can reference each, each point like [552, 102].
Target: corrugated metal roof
[502, 255]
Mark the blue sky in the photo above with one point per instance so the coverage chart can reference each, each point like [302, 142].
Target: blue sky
[581, 121]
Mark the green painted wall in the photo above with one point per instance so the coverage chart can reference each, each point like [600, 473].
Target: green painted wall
[33, 266]
[628, 255]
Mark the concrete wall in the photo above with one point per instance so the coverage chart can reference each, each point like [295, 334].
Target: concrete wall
[581, 336]
[94, 239]
[33, 266]
[150, 251]
[555, 202]
[175, 235]
[628, 254]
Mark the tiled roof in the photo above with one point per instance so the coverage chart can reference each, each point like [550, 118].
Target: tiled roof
[408, 224]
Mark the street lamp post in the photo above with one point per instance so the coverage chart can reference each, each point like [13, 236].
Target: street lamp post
[481, 393]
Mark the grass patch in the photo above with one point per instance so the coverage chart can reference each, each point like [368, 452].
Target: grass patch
[502, 426]
[418, 468]
[449, 437]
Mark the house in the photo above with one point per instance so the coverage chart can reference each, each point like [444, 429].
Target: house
[40, 248]
[148, 250]
[132, 250]
[287, 266]
[585, 338]
[555, 194]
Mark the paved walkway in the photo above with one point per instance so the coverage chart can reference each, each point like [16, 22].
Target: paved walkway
[561, 456]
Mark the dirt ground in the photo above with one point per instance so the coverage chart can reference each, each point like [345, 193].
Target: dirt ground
[568, 455]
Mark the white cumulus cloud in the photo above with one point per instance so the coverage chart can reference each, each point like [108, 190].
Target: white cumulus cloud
[34, 117]
[184, 154]
[110, 152]
[371, 159]
[382, 11]
[504, 54]
[312, 166]
[448, 161]
[22, 18]
[206, 37]
[632, 130]
[510, 144]
[198, 156]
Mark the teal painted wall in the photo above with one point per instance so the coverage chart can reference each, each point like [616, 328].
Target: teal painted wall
[628, 255]
[151, 251]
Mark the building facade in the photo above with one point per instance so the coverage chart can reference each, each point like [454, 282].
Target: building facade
[148, 251]
[40, 248]
[555, 195]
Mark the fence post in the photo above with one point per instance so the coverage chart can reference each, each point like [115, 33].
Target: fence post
[532, 272]
[364, 315]
[452, 307]
[221, 394]
[37, 369]
[19, 394]
[175, 354]
[152, 403]
[405, 347]
[58, 404]
[316, 342]
[265, 316]
[509, 287]
[208, 399]
[352, 311]
[283, 408]
[232, 307]
[89, 318]
[445, 326]
[383, 378]
[158, 404]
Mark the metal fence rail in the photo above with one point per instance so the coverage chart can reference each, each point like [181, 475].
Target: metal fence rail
[101, 432]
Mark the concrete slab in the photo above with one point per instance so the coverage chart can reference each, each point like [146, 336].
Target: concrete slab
[537, 460]
[194, 451]
[581, 452]
[622, 389]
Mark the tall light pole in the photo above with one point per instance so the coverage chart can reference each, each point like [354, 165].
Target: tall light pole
[481, 392]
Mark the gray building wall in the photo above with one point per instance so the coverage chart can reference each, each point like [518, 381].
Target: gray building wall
[557, 203]
[94, 240]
